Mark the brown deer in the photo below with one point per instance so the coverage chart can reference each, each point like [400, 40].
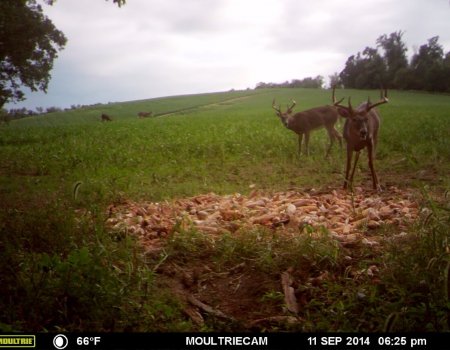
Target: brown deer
[361, 131]
[106, 118]
[144, 114]
[302, 123]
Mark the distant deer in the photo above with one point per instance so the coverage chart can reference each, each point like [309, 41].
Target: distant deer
[361, 131]
[106, 118]
[302, 123]
[145, 114]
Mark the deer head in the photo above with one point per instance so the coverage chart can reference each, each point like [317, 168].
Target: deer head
[359, 118]
[284, 115]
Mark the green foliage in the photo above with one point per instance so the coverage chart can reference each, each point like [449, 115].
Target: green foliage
[68, 274]
[55, 273]
[416, 278]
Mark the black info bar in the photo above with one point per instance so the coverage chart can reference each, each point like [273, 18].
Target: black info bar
[267, 341]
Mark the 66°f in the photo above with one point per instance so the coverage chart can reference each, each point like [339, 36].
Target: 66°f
[88, 340]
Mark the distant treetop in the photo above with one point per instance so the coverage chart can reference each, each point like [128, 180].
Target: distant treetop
[428, 69]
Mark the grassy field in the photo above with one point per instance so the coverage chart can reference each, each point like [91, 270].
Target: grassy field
[63, 270]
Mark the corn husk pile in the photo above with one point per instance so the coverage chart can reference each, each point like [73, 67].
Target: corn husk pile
[345, 215]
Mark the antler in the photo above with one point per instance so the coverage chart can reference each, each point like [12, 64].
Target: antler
[275, 108]
[349, 108]
[289, 110]
[334, 98]
[383, 99]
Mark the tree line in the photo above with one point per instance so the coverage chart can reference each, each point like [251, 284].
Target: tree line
[387, 64]
[309, 82]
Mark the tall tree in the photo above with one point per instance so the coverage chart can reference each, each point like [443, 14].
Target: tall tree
[394, 56]
[365, 71]
[427, 66]
[372, 71]
[348, 74]
[29, 44]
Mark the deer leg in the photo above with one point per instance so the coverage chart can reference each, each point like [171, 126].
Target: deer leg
[354, 167]
[307, 143]
[300, 138]
[349, 161]
[347, 168]
[338, 136]
[375, 184]
[331, 136]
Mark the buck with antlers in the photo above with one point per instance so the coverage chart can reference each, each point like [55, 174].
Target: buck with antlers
[361, 131]
[302, 123]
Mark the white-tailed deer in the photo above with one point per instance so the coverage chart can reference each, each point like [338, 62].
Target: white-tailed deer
[106, 118]
[145, 114]
[302, 123]
[361, 131]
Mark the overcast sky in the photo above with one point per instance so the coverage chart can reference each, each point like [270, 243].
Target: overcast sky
[154, 48]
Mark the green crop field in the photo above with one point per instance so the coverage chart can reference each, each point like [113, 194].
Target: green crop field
[59, 172]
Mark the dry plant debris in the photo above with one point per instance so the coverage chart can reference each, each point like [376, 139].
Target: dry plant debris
[344, 214]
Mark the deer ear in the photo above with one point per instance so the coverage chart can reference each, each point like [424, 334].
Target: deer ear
[343, 112]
